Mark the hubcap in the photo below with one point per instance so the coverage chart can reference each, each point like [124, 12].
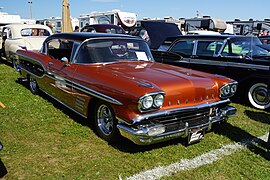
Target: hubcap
[105, 119]
[260, 96]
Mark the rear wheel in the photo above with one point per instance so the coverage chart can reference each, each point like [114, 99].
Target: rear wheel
[105, 122]
[258, 96]
[33, 85]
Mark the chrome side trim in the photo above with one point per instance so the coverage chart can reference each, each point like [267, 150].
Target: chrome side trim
[74, 85]
[63, 104]
[232, 64]
[84, 89]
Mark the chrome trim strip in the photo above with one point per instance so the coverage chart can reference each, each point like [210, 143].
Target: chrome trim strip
[85, 89]
[232, 64]
[63, 104]
[75, 85]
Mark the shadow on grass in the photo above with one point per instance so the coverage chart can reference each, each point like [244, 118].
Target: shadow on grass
[237, 134]
[128, 146]
[77, 118]
[258, 116]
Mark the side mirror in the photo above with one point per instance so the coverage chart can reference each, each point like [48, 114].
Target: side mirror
[64, 60]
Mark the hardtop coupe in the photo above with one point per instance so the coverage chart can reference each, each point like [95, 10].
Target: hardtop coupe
[113, 80]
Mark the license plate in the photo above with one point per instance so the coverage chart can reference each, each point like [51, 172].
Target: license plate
[195, 136]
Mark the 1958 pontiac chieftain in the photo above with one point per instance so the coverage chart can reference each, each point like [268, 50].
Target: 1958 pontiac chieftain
[114, 80]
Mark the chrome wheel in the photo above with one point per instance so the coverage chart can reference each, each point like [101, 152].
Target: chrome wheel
[105, 119]
[33, 85]
[105, 122]
[258, 96]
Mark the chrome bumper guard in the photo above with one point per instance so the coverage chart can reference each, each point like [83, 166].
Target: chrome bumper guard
[154, 133]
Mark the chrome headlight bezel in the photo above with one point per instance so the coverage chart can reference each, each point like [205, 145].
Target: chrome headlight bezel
[151, 101]
[228, 90]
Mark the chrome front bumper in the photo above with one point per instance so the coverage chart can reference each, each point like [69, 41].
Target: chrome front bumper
[145, 135]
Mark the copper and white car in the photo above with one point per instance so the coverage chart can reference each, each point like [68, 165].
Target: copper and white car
[21, 36]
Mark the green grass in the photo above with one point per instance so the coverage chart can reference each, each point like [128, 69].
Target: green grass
[42, 140]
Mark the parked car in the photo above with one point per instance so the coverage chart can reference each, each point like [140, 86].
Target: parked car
[241, 58]
[21, 36]
[113, 80]
[103, 28]
[154, 32]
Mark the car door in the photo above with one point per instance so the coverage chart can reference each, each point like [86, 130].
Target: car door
[60, 70]
[206, 57]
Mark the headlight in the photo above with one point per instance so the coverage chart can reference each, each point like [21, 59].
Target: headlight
[228, 90]
[225, 90]
[233, 88]
[147, 102]
[158, 100]
[151, 101]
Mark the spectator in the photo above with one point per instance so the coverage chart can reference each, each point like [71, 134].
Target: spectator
[76, 29]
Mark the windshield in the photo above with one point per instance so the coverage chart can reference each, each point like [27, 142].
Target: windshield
[113, 50]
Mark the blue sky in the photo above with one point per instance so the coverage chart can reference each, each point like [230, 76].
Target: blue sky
[227, 10]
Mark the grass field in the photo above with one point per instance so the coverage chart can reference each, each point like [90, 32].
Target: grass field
[42, 140]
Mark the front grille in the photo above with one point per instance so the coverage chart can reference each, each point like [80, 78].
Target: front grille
[177, 120]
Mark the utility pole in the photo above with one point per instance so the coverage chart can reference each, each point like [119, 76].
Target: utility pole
[30, 3]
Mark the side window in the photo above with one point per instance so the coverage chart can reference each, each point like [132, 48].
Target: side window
[208, 48]
[59, 48]
[184, 48]
[83, 56]
[74, 49]
[238, 49]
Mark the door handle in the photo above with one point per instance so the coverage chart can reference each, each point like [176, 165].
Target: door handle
[50, 63]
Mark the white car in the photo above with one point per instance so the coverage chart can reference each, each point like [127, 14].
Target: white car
[21, 36]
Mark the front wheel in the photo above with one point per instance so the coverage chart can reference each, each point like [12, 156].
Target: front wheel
[33, 85]
[105, 122]
[258, 96]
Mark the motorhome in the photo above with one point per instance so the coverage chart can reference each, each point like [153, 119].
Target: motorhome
[116, 17]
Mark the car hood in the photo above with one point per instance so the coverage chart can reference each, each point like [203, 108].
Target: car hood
[180, 85]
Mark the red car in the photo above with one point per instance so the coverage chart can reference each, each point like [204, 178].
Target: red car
[113, 80]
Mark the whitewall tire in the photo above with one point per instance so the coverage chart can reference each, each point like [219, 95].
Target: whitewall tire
[258, 97]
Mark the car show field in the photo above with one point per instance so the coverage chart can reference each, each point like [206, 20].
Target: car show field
[106, 95]
[43, 140]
